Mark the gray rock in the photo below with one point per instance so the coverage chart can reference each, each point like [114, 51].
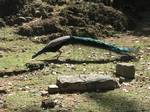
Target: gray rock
[85, 83]
[38, 13]
[125, 70]
[52, 89]
[29, 18]
[21, 20]
[44, 93]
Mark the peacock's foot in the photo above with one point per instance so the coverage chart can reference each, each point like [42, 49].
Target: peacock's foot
[59, 55]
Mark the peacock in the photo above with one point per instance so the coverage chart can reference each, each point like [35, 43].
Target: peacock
[56, 44]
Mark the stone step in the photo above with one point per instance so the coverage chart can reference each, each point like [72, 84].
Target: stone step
[125, 70]
[83, 83]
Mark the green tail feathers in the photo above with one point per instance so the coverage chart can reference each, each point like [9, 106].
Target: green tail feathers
[101, 44]
[56, 44]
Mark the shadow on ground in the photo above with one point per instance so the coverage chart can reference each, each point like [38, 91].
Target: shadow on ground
[101, 61]
[143, 32]
[115, 102]
[30, 67]
[103, 102]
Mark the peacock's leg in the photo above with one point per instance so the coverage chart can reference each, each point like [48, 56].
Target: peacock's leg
[58, 55]
[60, 52]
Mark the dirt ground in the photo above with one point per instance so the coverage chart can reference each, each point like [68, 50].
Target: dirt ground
[23, 91]
[21, 88]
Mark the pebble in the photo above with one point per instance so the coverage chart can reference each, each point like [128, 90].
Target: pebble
[44, 93]
[5, 76]
[54, 73]
[125, 84]
[29, 18]
[10, 84]
[125, 90]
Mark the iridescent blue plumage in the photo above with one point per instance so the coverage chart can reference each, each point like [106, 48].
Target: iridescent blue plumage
[101, 44]
[56, 44]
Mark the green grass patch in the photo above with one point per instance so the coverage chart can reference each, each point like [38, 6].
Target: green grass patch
[74, 60]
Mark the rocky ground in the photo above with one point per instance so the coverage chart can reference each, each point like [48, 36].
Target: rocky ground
[38, 18]
[22, 91]
[23, 85]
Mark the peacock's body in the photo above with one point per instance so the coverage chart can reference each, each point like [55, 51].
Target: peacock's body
[56, 44]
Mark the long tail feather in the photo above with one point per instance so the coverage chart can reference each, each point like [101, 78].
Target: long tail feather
[102, 44]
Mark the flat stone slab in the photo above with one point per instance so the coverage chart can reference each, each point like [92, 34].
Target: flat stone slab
[84, 83]
[52, 89]
[125, 70]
